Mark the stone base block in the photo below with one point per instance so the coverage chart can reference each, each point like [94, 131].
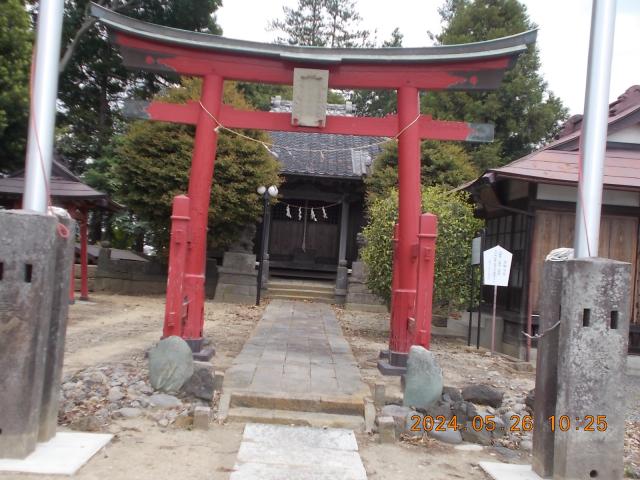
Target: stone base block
[234, 293]
[27, 243]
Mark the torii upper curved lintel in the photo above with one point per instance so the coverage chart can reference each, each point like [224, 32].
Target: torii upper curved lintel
[472, 66]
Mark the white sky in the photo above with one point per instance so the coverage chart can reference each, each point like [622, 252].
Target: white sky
[563, 37]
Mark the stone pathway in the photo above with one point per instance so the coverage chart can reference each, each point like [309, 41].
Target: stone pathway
[297, 355]
[278, 452]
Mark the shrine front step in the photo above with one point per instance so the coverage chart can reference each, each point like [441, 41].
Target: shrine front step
[299, 402]
[292, 417]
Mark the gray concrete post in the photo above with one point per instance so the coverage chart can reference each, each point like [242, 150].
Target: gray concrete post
[64, 253]
[27, 240]
[547, 367]
[591, 369]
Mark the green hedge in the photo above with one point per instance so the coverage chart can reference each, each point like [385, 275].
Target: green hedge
[456, 229]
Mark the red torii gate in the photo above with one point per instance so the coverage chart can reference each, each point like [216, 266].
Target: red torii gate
[476, 66]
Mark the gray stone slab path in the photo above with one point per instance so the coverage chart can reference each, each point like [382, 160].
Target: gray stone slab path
[297, 350]
[278, 452]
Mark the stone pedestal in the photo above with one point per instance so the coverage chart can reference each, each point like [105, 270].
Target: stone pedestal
[64, 249]
[358, 295]
[547, 368]
[237, 278]
[31, 293]
[592, 354]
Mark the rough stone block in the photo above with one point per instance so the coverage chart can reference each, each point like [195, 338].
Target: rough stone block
[386, 429]
[592, 353]
[544, 402]
[64, 251]
[423, 380]
[483, 395]
[201, 418]
[200, 384]
[27, 241]
[170, 364]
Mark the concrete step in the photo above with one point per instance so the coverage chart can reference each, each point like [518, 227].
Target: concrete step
[307, 292]
[289, 417]
[300, 298]
[300, 402]
[313, 286]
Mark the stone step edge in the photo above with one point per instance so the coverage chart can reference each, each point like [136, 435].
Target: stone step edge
[292, 417]
[341, 405]
[308, 291]
[301, 298]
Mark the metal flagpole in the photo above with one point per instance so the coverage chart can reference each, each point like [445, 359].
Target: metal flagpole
[42, 116]
[593, 139]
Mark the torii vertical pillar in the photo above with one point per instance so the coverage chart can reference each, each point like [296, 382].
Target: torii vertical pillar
[200, 178]
[406, 251]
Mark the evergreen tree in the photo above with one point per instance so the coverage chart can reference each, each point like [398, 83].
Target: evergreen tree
[93, 79]
[150, 164]
[525, 112]
[378, 103]
[321, 23]
[16, 40]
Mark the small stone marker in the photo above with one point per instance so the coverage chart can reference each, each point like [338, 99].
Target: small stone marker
[223, 407]
[386, 429]
[399, 415]
[201, 418]
[170, 364]
[369, 415]
[218, 380]
[423, 380]
[379, 394]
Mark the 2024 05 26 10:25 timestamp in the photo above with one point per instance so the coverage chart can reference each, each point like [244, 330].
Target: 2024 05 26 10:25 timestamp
[518, 423]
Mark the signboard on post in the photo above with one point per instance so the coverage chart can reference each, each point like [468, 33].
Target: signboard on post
[497, 266]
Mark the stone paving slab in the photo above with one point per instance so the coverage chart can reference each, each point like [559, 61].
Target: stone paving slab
[277, 452]
[504, 471]
[296, 353]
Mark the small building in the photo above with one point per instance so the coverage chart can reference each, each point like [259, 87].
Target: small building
[320, 209]
[529, 209]
[69, 192]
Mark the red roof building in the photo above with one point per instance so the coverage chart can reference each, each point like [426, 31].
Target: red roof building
[529, 208]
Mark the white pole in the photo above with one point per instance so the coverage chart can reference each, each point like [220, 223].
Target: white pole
[42, 116]
[593, 140]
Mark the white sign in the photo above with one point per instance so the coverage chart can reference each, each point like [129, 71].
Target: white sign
[497, 265]
[475, 251]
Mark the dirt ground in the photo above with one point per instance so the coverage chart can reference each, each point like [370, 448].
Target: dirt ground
[117, 330]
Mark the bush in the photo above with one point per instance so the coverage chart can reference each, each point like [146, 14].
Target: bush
[456, 229]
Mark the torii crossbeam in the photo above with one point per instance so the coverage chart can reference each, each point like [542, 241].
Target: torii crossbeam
[469, 67]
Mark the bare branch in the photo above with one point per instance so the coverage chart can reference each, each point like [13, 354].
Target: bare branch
[87, 23]
[68, 53]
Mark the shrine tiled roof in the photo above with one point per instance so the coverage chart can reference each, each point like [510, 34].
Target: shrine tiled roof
[324, 155]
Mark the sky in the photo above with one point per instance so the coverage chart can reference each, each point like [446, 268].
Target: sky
[563, 37]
